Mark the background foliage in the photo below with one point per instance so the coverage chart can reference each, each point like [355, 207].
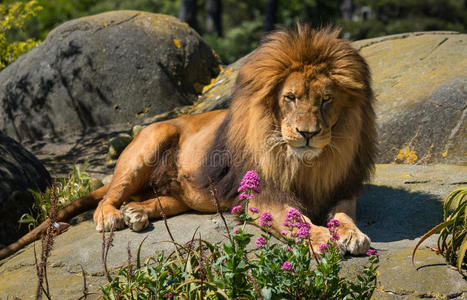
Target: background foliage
[242, 20]
[12, 18]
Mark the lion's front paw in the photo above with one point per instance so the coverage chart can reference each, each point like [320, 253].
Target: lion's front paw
[319, 235]
[354, 241]
[135, 217]
[112, 218]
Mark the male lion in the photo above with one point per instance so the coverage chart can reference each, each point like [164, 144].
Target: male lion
[301, 116]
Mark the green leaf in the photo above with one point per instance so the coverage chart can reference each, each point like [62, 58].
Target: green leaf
[461, 254]
[430, 233]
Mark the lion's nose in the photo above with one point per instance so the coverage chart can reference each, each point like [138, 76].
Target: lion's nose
[307, 135]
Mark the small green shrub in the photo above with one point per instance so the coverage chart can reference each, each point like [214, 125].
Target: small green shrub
[76, 185]
[288, 270]
[12, 17]
[452, 240]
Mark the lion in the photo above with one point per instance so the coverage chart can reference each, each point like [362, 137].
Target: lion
[301, 115]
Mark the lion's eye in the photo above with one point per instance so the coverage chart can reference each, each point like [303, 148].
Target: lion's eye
[290, 97]
[326, 98]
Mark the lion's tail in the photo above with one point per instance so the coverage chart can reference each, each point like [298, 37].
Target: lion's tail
[75, 208]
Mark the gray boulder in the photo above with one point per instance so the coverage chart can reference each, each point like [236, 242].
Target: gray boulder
[420, 82]
[113, 68]
[19, 171]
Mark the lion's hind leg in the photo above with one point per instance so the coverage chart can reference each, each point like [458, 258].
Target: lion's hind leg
[137, 214]
[133, 171]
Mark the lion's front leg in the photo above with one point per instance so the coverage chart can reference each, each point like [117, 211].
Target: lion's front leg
[132, 172]
[351, 240]
[285, 219]
[108, 217]
[137, 214]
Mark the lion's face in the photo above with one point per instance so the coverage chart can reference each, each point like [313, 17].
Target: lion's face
[308, 112]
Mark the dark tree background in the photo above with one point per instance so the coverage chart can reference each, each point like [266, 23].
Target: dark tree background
[234, 27]
[214, 17]
[188, 12]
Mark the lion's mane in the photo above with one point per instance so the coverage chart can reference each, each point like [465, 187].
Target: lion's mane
[249, 137]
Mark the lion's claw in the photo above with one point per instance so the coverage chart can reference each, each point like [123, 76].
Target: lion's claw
[354, 242]
[113, 218]
[135, 217]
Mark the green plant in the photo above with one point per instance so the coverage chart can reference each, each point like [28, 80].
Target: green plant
[452, 240]
[12, 17]
[232, 270]
[76, 185]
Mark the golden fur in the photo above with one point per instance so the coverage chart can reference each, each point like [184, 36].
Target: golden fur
[301, 116]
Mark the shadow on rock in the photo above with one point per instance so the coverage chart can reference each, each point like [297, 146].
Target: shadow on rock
[389, 214]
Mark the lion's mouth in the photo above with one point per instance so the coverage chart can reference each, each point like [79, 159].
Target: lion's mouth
[304, 153]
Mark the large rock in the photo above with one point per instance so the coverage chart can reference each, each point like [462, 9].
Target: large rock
[19, 171]
[112, 68]
[420, 83]
[399, 206]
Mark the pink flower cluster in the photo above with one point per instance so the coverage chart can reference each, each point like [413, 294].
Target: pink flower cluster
[287, 266]
[261, 242]
[266, 219]
[293, 219]
[250, 182]
[372, 252]
[236, 210]
[332, 227]
[323, 247]
[168, 295]
[304, 230]
[254, 210]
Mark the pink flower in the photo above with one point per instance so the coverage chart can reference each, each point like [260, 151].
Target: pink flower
[254, 210]
[236, 230]
[293, 218]
[303, 232]
[323, 247]
[245, 196]
[334, 223]
[287, 266]
[250, 182]
[261, 242]
[266, 219]
[334, 237]
[284, 232]
[168, 295]
[237, 210]
[372, 252]
[288, 249]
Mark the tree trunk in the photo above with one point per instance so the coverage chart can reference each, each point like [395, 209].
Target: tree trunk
[347, 9]
[188, 11]
[270, 14]
[214, 17]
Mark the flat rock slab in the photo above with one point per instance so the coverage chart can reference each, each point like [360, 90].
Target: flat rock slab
[401, 203]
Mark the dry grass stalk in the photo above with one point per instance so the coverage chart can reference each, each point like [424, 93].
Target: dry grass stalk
[106, 245]
[212, 190]
[47, 242]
